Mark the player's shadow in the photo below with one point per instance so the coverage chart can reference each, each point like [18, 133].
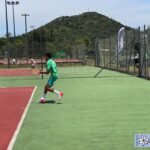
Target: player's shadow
[51, 102]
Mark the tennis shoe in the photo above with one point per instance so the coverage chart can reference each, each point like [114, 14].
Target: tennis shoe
[42, 100]
[60, 95]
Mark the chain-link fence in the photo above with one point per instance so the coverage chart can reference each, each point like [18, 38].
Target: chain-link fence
[134, 58]
[20, 50]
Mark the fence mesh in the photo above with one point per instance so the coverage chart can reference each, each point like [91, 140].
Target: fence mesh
[22, 51]
[134, 58]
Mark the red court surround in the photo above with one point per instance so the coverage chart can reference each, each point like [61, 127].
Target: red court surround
[13, 102]
[15, 72]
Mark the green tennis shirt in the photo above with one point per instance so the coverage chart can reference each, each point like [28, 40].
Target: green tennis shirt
[52, 68]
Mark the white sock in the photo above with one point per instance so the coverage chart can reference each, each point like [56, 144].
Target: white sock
[56, 92]
[44, 95]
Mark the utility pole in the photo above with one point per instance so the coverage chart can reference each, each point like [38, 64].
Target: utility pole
[32, 27]
[7, 34]
[13, 3]
[25, 16]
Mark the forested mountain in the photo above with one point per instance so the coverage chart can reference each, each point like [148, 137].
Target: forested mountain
[67, 31]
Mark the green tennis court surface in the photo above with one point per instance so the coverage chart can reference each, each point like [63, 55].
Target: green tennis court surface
[101, 113]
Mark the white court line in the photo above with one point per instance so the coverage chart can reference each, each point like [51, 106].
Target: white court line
[12, 142]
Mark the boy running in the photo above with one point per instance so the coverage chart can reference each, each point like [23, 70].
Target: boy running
[52, 69]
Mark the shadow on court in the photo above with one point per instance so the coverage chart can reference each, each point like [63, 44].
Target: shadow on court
[73, 77]
[51, 102]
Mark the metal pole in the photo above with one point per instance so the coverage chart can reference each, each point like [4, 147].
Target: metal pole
[96, 53]
[26, 24]
[32, 27]
[41, 53]
[104, 51]
[145, 53]
[140, 57]
[127, 52]
[13, 3]
[25, 15]
[7, 34]
[110, 52]
[117, 53]
[134, 52]
[14, 21]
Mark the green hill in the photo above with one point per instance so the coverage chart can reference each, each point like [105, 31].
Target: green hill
[85, 27]
[90, 24]
[65, 32]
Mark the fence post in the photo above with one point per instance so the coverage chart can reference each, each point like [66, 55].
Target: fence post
[104, 52]
[140, 56]
[126, 40]
[117, 52]
[134, 52]
[145, 53]
[96, 53]
[110, 51]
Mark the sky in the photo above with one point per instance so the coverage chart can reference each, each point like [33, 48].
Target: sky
[132, 13]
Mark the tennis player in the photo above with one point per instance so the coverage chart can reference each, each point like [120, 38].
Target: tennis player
[33, 63]
[52, 69]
